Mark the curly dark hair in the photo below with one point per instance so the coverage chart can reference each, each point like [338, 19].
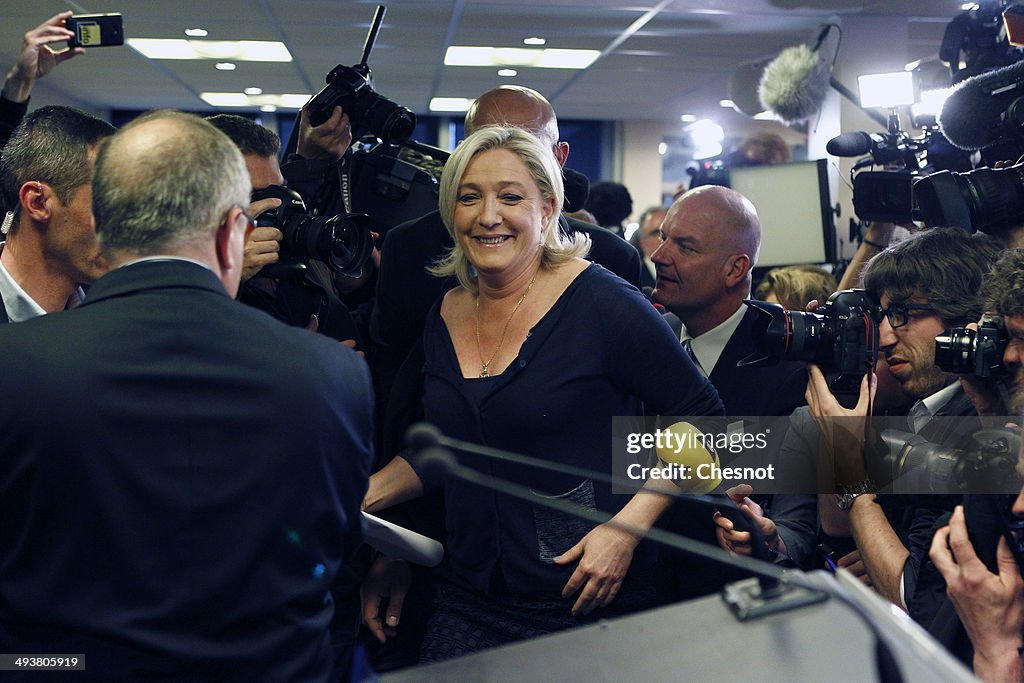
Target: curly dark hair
[1003, 291]
[946, 266]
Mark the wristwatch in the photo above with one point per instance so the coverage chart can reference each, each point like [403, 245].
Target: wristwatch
[851, 492]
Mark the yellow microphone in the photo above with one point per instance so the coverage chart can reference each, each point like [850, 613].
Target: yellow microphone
[691, 456]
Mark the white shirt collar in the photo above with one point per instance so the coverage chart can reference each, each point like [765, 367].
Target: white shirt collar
[932, 404]
[708, 347]
[166, 257]
[17, 302]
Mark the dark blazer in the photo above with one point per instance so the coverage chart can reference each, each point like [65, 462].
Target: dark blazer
[771, 390]
[180, 481]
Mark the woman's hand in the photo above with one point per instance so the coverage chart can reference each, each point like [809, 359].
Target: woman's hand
[604, 556]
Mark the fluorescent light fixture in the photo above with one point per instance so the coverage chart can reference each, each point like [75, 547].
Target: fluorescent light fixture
[268, 108]
[728, 104]
[449, 104]
[225, 66]
[687, 118]
[910, 66]
[238, 50]
[547, 58]
[765, 116]
[253, 91]
[196, 32]
[238, 99]
[968, 6]
[508, 73]
[886, 90]
[534, 40]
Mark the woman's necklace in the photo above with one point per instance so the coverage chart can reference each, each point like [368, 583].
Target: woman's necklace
[485, 364]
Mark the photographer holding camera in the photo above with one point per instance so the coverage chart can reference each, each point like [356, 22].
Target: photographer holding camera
[301, 292]
[924, 284]
[994, 381]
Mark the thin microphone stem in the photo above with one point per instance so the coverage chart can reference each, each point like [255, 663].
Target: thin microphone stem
[758, 543]
[686, 545]
[772, 578]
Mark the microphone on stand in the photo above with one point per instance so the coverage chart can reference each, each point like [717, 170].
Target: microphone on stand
[436, 460]
[774, 590]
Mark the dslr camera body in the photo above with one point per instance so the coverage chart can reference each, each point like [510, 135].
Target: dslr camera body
[368, 111]
[841, 336]
[977, 352]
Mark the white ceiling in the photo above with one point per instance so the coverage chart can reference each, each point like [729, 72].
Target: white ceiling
[678, 61]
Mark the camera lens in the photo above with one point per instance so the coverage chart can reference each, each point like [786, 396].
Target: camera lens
[788, 335]
[343, 242]
[391, 122]
[954, 350]
[979, 200]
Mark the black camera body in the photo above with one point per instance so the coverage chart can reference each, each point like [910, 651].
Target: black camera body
[841, 336]
[350, 88]
[343, 242]
[977, 352]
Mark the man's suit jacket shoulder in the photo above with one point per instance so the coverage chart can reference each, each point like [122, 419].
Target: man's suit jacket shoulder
[770, 390]
[610, 250]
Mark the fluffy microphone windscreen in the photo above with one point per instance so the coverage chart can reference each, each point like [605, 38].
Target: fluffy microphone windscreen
[972, 115]
[794, 85]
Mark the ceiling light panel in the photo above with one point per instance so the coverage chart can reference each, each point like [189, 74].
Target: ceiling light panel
[237, 50]
[547, 58]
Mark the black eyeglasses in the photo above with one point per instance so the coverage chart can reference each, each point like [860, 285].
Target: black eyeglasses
[899, 314]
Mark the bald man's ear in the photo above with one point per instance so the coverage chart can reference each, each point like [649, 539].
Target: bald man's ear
[561, 150]
[229, 243]
[736, 267]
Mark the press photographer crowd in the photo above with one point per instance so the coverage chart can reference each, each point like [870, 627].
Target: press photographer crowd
[318, 408]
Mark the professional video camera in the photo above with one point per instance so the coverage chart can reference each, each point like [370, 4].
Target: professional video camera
[982, 462]
[978, 352]
[975, 41]
[932, 184]
[841, 336]
[343, 242]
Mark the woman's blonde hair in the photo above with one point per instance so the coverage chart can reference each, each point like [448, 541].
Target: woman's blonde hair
[543, 168]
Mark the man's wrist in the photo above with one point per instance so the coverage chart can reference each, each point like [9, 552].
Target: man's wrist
[17, 89]
[1001, 663]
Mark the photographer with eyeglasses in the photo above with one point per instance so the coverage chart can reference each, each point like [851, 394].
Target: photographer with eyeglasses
[924, 285]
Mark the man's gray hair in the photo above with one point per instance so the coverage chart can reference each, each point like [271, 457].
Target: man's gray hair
[169, 191]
